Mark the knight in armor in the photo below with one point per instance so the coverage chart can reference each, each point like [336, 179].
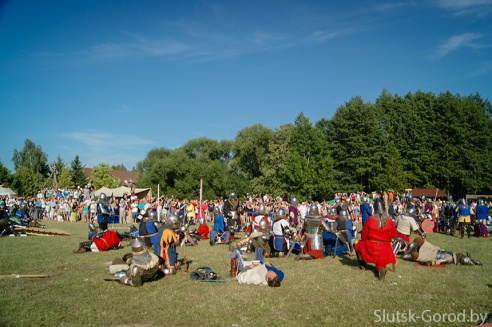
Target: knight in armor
[142, 265]
[258, 241]
[280, 227]
[102, 211]
[293, 212]
[100, 240]
[375, 244]
[406, 224]
[219, 231]
[149, 227]
[310, 236]
[424, 252]
[450, 216]
[345, 232]
[166, 244]
[232, 210]
[481, 213]
[365, 209]
[464, 217]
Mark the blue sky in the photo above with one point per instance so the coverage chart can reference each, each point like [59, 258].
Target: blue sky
[110, 80]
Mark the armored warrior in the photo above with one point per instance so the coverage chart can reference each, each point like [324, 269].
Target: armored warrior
[232, 210]
[219, 233]
[143, 266]
[375, 244]
[100, 241]
[406, 224]
[149, 226]
[166, 244]
[365, 209]
[464, 212]
[293, 212]
[280, 228]
[103, 212]
[428, 254]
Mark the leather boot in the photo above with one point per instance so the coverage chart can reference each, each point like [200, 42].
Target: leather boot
[381, 273]
[233, 271]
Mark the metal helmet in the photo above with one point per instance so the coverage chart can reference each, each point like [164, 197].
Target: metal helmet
[152, 216]
[92, 227]
[365, 199]
[232, 196]
[313, 210]
[281, 214]
[201, 221]
[138, 246]
[103, 198]
[480, 202]
[172, 221]
[263, 225]
[429, 200]
[378, 206]
[294, 201]
[343, 214]
[147, 206]
[217, 211]
[333, 212]
[262, 209]
[411, 210]
[450, 198]
[462, 202]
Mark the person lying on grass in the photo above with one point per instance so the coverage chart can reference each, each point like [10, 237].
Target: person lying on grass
[254, 273]
[429, 255]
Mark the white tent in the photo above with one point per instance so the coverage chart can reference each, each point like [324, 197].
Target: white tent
[120, 191]
[6, 191]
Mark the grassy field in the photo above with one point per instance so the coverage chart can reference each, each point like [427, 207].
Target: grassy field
[314, 293]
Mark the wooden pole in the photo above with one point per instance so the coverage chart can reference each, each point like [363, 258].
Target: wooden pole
[23, 276]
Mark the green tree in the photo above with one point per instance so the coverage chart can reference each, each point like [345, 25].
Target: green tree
[5, 174]
[65, 179]
[79, 178]
[250, 148]
[273, 166]
[33, 158]
[101, 176]
[25, 182]
[119, 167]
[309, 166]
[355, 137]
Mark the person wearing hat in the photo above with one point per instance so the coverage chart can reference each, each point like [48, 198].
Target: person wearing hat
[375, 244]
[166, 244]
[406, 224]
[148, 227]
[143, 266]
[311, 239]
[279, 227]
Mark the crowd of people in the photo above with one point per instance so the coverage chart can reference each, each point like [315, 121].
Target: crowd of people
[273, 226]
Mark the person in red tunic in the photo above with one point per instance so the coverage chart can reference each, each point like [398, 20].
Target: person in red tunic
[203, 229]
[375, 244]
[102, 241]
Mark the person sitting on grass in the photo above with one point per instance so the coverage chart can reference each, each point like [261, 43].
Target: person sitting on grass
[427, 254]
[258, 273]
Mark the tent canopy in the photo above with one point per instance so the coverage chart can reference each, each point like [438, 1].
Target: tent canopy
[428, 192]
[6, 191]
[120, 191]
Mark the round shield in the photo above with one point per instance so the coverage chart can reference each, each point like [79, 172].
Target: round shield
[428, 225]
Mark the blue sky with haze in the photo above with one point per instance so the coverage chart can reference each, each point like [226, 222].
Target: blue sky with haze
[110, 80]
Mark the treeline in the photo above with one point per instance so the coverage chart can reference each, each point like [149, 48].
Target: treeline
[398, 142]
[417, 140]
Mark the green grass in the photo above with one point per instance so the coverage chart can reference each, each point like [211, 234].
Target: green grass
[314, 293]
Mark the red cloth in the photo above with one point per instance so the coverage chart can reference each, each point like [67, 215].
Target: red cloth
[404, 237]
[375, 244]
[203, 231]
[317, 254]
[108, 241]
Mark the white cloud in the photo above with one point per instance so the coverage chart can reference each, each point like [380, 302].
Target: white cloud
[475, 8]
[458, 41]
